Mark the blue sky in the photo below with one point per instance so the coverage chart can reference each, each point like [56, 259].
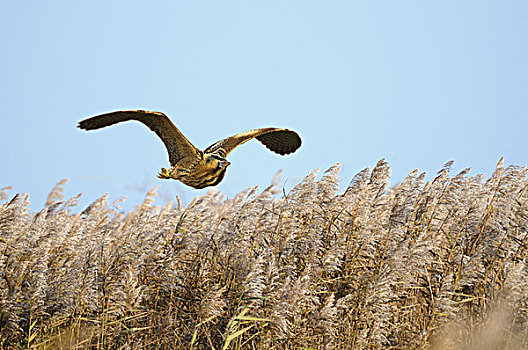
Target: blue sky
[416, 82]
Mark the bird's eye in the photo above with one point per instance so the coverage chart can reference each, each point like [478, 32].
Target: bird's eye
[219, 165]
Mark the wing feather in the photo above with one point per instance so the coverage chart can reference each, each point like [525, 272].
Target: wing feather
[177, 145]
[281, 141]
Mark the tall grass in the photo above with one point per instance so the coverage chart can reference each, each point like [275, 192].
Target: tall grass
[439, 264]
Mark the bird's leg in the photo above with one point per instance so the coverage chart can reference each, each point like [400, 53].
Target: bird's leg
[165, 174]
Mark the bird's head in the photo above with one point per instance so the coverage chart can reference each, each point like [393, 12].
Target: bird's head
[216, 164]
[210, 171]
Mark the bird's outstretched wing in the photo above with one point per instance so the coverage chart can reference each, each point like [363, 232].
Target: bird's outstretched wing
[281, 141]
[177, 145]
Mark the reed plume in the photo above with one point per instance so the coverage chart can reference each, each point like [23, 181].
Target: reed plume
[421, 264]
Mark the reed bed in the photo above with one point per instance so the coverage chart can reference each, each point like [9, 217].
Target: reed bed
[437, 264]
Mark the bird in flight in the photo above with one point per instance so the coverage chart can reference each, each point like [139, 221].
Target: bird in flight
[191, 166]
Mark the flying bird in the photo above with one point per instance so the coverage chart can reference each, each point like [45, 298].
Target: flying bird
[189, 165]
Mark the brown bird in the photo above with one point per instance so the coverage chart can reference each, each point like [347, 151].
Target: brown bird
[191, 166]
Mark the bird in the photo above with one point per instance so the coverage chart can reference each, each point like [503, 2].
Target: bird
[191, 166]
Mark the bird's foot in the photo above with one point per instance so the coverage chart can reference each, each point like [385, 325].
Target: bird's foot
[164, 174]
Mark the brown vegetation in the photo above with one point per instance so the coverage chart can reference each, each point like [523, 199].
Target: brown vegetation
[440, 265]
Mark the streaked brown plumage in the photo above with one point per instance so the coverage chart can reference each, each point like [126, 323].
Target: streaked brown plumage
[188, 164]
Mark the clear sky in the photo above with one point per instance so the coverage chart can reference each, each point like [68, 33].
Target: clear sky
[416, 82]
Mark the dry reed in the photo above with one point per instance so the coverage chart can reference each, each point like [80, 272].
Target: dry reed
[439, 264]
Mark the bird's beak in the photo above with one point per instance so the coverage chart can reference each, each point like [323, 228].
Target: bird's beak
[225, 163]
